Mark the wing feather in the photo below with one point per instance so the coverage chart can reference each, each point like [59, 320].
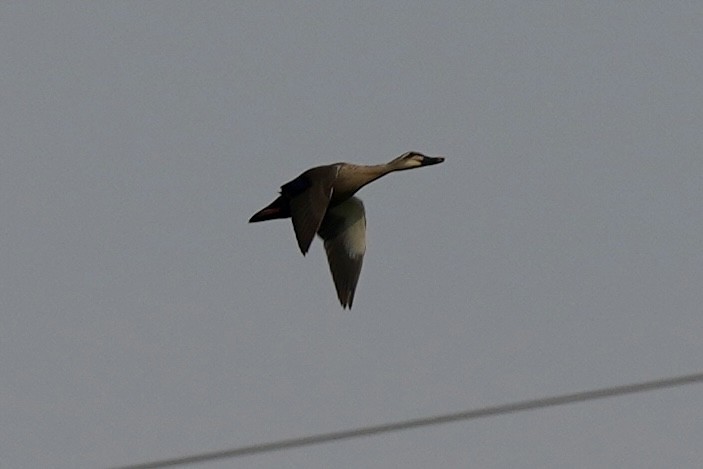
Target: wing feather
[344, 232]
[310, 195]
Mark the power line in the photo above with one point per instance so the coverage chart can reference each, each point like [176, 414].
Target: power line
[426, 421]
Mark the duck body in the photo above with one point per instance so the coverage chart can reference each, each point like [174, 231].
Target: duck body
[321, 201]
[342, 188]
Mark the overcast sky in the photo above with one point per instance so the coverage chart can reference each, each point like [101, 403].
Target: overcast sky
[559, 248]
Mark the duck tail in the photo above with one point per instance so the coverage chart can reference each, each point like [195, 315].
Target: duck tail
[279, 208]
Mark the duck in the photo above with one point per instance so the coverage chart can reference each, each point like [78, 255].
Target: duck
[321, 201]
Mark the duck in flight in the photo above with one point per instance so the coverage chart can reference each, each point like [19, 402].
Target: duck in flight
[321, 200]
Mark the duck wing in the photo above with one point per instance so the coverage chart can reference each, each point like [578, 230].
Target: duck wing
[309, 196]
[344, 232]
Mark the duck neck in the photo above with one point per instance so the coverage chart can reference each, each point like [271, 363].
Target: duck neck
[376, 171]
[357, 176]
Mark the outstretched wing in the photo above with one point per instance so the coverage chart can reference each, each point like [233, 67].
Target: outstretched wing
[309, 195]
[344, 232]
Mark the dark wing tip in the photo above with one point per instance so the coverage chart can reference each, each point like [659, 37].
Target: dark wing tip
[346, 298]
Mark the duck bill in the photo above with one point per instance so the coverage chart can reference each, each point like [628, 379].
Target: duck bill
[430, 160]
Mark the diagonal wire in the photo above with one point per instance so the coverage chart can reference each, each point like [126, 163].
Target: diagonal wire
[427, 421]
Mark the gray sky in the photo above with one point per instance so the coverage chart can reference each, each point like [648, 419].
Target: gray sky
[557, 249]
